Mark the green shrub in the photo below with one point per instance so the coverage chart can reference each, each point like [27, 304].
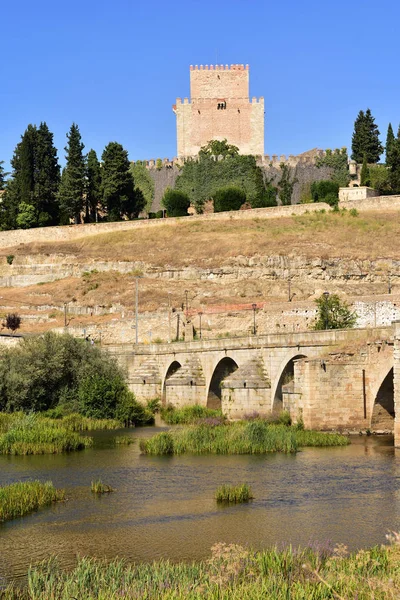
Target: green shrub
[229, 198]
[10, 258]
[152, 215]
[234, 493]
[159, 214]
[176, 203]
[63, 373]
[325, 190]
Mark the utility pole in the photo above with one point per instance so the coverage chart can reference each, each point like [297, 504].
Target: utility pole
[65, 314]
[200, 315]
[137, 310]
[254, 306]
[186, 294]
[169, 317]
[178, 316]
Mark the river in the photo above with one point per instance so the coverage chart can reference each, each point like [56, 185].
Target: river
[164, 506]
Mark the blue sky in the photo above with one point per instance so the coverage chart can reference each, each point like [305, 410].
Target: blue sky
[116, 67]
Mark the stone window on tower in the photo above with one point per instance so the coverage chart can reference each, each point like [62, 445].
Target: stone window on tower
[221, 105]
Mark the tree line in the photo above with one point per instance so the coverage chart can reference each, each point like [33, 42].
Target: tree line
[367, 150]
[39, 193]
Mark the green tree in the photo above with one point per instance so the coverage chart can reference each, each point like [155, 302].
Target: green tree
[286, 185]
[34, 182]
[219, 148]
[229, 198]
[117, 185]
[3, 176]
[46, 178]
[175, 202]
[379, 177]
[365, 175]
[389, 144]
[394, 170]
[93, 186]
[333, 313]
[143, 182]
[65, 372]
[325, 190]
[72, 186]
[366, 138]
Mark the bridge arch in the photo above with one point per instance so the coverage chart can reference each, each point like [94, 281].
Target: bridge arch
[284, 377]
[223, 368]
[171, 370]
[382, 412]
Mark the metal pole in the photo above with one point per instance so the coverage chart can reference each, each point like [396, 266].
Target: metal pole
[254, 306]
[169, 317]
[289, 290]
[65, 314]
[136, 310]
[178, 316]
[186, 294]
[200, 314]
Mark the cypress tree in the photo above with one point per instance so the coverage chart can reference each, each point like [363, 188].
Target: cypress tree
[366, 138]
[117, 185]
[389, 144]
[2, 176]
[394, 173]
[47, 177]
[365, 175]
[93, 186]
[72, 187]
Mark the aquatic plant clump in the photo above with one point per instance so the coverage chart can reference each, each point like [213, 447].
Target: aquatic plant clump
[234, 493]
[253, 437]
[98, 487]
[31, 434]
[19, 499]
[188, 414]
[231, 573]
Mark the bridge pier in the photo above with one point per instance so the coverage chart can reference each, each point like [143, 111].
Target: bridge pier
[396, 383]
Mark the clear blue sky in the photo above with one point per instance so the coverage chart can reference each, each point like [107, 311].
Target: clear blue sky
[116, 67]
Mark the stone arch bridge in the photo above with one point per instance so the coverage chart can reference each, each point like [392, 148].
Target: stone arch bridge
[334, 379]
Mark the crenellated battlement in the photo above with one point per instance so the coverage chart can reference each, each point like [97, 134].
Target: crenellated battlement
[219, 67]
[274, 160]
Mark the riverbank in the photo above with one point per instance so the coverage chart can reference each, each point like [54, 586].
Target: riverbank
[233, 572]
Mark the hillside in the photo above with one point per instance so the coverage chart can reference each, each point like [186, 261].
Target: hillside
[224, 265]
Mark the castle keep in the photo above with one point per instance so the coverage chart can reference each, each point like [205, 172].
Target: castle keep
[219, 108]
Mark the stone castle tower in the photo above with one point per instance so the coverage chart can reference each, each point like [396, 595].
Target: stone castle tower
[219, 108]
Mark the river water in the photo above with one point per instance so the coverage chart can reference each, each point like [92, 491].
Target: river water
[164, 506]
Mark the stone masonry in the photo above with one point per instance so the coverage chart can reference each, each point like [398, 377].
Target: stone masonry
[219, 108]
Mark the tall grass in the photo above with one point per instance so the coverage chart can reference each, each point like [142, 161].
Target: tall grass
[234, 493]
[98, 487]
[232, 573]
[19, 499]
[253, 437]
[187, 414]
[32, 434]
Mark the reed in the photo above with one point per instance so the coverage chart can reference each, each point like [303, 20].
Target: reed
[98, 487]
[234, 493]
[252, 437]
[124, 440]
[32, 434]
[231, 573]
[187, 414]
[19, 499]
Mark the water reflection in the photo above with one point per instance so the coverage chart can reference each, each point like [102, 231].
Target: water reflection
[164, 506]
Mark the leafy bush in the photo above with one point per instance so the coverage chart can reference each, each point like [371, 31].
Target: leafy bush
[65, 373]
[13, 321]
[325, 191]
[229, 198]
[176, 203]
[333, 313]
[10, 258]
